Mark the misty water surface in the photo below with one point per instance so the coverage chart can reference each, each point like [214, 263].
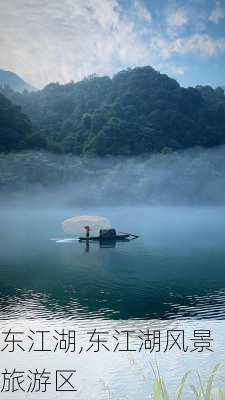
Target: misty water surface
[175, 269]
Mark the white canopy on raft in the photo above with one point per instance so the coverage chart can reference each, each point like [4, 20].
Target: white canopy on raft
[75, 225]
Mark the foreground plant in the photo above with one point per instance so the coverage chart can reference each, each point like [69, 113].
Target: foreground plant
[200, 391]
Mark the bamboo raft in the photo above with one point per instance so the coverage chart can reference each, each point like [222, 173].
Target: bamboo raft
[107, 235]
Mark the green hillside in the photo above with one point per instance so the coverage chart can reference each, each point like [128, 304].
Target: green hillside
[137, 111]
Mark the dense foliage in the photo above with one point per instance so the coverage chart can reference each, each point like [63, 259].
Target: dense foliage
[137, 111]
[14, 126]
[16, 131]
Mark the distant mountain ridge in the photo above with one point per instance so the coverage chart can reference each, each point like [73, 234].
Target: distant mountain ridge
[8, 78]
[137, 111]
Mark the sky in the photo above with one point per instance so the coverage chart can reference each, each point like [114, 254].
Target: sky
[62, 40]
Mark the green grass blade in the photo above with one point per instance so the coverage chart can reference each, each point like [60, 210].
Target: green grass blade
[180, 388]
[156, 390]
[200, 391]
[202, 387]
[160, 387]
[164, 393]
[196, 393]
[210, 382]
[217, 394]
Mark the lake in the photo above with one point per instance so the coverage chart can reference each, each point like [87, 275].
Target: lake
[176, 269]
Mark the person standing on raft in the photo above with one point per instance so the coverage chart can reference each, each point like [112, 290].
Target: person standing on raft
[87, 228]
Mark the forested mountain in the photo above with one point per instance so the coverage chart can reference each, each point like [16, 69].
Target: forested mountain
[15, 128]
[14, 81]
[137, 111]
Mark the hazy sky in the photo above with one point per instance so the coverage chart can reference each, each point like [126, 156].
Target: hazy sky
[63, 40]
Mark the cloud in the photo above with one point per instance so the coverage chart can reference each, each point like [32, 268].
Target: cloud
[217, 14]
[177, 19]
[50, 41]
[176, 70]
[142, 12]
[199, 44]
[65, 40]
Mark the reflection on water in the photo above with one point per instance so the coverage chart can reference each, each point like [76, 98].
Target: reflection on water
[175, 269]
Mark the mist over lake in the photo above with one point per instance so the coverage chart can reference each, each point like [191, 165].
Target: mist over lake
[194, 177]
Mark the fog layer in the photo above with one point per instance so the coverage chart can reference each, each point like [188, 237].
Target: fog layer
[193, 177]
